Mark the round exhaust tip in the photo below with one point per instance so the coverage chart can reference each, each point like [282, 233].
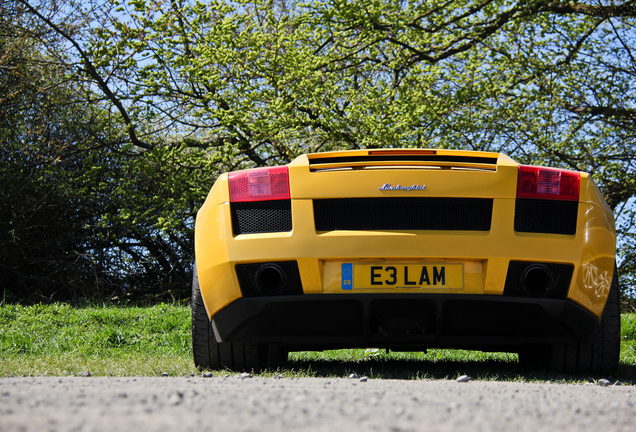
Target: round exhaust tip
[270, 279]
[537, 279]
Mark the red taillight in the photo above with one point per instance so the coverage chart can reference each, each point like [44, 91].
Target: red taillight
[548, 183]
[260, 184]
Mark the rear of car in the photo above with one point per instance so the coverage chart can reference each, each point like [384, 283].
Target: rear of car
[406, 250]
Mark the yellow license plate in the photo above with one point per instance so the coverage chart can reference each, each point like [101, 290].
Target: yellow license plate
[402, 276]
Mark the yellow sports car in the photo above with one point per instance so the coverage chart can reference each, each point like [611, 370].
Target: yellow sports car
[406, 250]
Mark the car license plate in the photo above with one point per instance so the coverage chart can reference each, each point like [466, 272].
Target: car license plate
[402, 276]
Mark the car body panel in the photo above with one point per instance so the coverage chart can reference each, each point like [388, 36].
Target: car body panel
[485, 255]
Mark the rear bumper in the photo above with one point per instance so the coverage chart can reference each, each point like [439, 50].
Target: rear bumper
[320, 254]
[403, 321]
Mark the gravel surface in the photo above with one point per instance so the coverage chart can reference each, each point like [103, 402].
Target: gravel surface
[308, 404]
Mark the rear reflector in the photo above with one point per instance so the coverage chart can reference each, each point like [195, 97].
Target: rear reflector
[260, 184]
[548, 183]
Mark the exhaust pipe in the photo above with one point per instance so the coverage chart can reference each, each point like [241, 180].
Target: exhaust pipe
[537, 280]
[270, 279]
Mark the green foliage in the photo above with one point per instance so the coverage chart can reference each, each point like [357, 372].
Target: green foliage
[41, 219]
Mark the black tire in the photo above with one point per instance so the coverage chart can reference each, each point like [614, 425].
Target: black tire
[238, 356]
[599, 356]
[605, 348]
[205, 350]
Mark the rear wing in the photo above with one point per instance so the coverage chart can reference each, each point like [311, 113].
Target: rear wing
[406, 158]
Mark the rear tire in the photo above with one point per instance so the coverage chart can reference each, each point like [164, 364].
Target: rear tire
[239, 356]
[606, 347]
[205, 350]
[598, 356]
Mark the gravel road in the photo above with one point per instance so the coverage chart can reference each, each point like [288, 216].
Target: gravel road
[308, 404]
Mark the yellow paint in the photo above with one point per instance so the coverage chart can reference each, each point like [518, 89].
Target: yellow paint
[484, 255]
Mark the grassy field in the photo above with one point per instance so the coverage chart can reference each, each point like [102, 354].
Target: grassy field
[131, 341]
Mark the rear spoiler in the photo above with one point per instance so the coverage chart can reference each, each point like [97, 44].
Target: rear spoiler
[404, 158]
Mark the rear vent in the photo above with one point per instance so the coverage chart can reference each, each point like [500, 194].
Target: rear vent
[546, 216]
[254, 283]
[522, 280]
[402, 159]
[369, 214]
[412, 158]
[261, 217]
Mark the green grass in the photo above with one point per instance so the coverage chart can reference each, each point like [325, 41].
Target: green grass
[122, 341]
[134, 341]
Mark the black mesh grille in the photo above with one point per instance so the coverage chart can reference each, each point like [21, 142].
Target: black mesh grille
[561, 278]
[261, 217]
[471, 214]
[546, 216]
[246, 274]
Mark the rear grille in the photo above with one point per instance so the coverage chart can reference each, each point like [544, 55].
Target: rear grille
[261, 217]
[367, 214]
[546, 216]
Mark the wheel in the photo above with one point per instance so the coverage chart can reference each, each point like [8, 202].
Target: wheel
[598, 356]
[239, 356]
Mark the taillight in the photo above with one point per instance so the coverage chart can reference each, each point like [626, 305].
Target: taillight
[548, 183]
[260, 184]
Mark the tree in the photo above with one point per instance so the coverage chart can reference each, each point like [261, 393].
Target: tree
[84, 213]
[545, 82]
[194, 89]
[42, 221]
